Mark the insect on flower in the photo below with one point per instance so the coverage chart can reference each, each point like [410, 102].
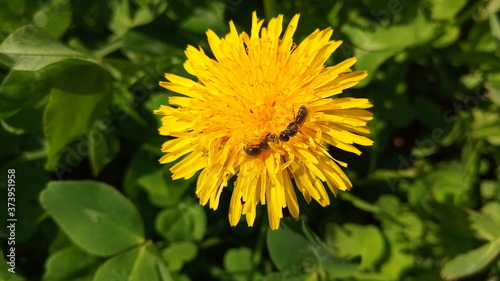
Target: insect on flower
[231, 122]
[255, 149]
[293, 128]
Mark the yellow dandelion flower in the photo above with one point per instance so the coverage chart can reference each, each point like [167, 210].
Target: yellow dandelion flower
[262, 110]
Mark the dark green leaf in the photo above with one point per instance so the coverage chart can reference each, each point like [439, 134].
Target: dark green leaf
[184, 223]
[80, 96]
[5, 274]
[141, 164]
[22, 89]
[104, 146]
[137, 51]
[26, 121]
[54, 16]
[160, 187]
[429, 113]
[203, 19]
[293, 245]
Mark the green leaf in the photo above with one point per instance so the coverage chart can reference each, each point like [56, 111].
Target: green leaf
[485, 126]
[122, 19]
[374, 48]
[357, 240]
[179, 253]
[161, 189]
[359, 203]
[70, 263]
[450, 230]
[487, 222]
[446, 9]
[183, 223]
[136, 50]
[400, 259]
[471, 262]
[449, 36]
[389, 204]
[495, 26]
[340, 269]
[493, 85]
[141, 164]
[238, 262]
[140, 263]
[30, 48]
[412, 226]
[94, 215]
[80, 96]
[22, 89]
[447, 184]
[54, 16]
[293, 245]
[26, 121]
[372, 276]
[104, 146]
[5, 274]
[203, 18]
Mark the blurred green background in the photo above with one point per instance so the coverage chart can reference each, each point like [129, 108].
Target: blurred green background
[80, 82]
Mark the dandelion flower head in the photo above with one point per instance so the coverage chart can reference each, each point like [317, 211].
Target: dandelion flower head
[262, 111]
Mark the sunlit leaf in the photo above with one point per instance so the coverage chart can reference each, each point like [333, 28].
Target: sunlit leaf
[94, 215]
[179, 253]
[140, 263]
[471, 262]
[446, 9]
[70, 263]
[30, 49]
[365, 241]
[487, 222]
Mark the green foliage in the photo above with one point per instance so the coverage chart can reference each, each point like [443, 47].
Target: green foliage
[99, 219]
[79, 82]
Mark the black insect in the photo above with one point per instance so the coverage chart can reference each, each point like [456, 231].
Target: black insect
[293, 128]
[256, 149]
